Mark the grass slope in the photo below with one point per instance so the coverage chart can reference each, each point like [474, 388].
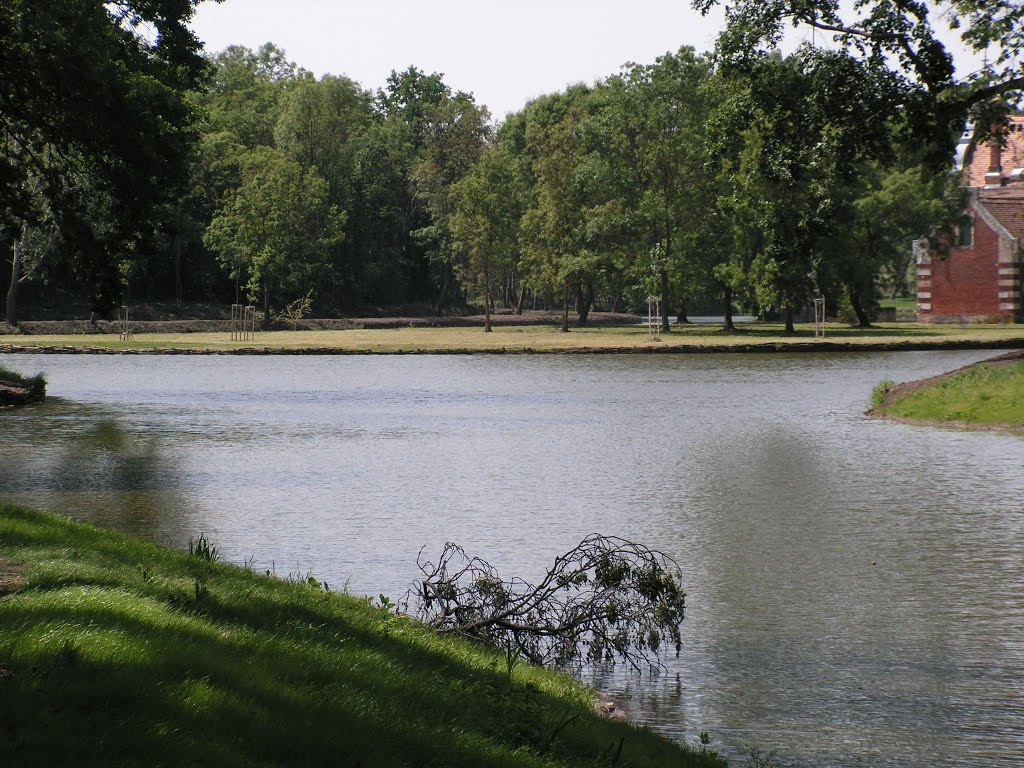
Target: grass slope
[114, 651]
[986, 394]
[542, 338]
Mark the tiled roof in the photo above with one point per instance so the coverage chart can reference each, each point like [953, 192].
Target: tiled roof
[1007, 205]
[979, 156]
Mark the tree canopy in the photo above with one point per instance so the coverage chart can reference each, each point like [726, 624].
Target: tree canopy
[94, 114]
[902, 37]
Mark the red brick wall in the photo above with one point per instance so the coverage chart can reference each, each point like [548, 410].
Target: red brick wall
[965, 283]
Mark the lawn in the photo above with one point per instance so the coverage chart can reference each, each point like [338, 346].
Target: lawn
[758, 336]
[115, 651]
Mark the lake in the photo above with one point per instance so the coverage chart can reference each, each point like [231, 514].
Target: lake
[855, 587]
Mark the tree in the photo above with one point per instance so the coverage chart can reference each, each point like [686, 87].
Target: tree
[276, 229]
[95, 109]
[892, 207]
[663, 121]
[557, 253]
[247, 91]
[607, 599]
[455, 133]
[901, 37]
[488, 207]
[814, 120]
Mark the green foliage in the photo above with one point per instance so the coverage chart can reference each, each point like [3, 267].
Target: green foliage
[900, 41]
[743, 177]
[100, 151]
[881, 389]
[201, 549]
[489, 203]
[260, 672]
[275, 230]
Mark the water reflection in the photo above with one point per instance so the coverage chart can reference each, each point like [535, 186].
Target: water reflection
[84, 462]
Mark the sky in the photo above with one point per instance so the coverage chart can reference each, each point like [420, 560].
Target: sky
[504, 52]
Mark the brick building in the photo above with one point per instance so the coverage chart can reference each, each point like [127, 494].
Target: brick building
[980, 279]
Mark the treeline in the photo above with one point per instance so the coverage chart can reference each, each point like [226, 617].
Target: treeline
[760, 185]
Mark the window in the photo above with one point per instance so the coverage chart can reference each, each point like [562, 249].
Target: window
[965, 232]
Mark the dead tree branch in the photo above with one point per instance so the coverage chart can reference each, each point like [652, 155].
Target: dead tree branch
[607, 599]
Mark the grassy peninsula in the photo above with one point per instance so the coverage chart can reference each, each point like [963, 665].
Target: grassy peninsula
[985, 395]
[116, 651]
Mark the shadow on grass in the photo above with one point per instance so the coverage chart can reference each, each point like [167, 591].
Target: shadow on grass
[120, 652]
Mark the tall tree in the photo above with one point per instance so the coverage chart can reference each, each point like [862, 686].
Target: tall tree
[454, 136]
[815, 118]
[275, 231]
[489, 204]
[664, 118]
[94, 107]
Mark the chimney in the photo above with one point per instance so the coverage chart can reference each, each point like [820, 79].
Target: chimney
[994, 177]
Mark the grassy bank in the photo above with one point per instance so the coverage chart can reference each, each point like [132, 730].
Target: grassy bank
[989, 394]
[540, 339]
[17, 389]
[114, 651]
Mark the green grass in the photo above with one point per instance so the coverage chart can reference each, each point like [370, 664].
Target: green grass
[986, 394]
[115, 651]
[909, 303]
[547, 338]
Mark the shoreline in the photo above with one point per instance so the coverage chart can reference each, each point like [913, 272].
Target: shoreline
[794, 346]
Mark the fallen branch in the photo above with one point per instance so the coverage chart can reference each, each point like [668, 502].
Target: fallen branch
[607, 599]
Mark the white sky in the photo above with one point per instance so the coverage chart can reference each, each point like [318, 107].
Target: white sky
[505, 52]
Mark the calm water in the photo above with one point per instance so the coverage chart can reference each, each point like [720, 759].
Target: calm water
[855, 588]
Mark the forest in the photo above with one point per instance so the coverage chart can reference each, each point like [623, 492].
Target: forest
[166, 174]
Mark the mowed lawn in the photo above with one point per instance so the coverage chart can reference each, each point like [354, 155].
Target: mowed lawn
[543, 338]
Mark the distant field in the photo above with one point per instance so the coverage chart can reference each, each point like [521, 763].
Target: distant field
[767, 336]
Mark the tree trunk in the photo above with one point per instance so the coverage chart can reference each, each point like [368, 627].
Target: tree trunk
[266, 303]
[487, 303]
[179, 291]
[522, 300]
[565, 307]
[586, 301]
[443, 296]
[789, 319]
[729, 326]
[664, 302]
[863, 321]
[12, 292]
[681, 318]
